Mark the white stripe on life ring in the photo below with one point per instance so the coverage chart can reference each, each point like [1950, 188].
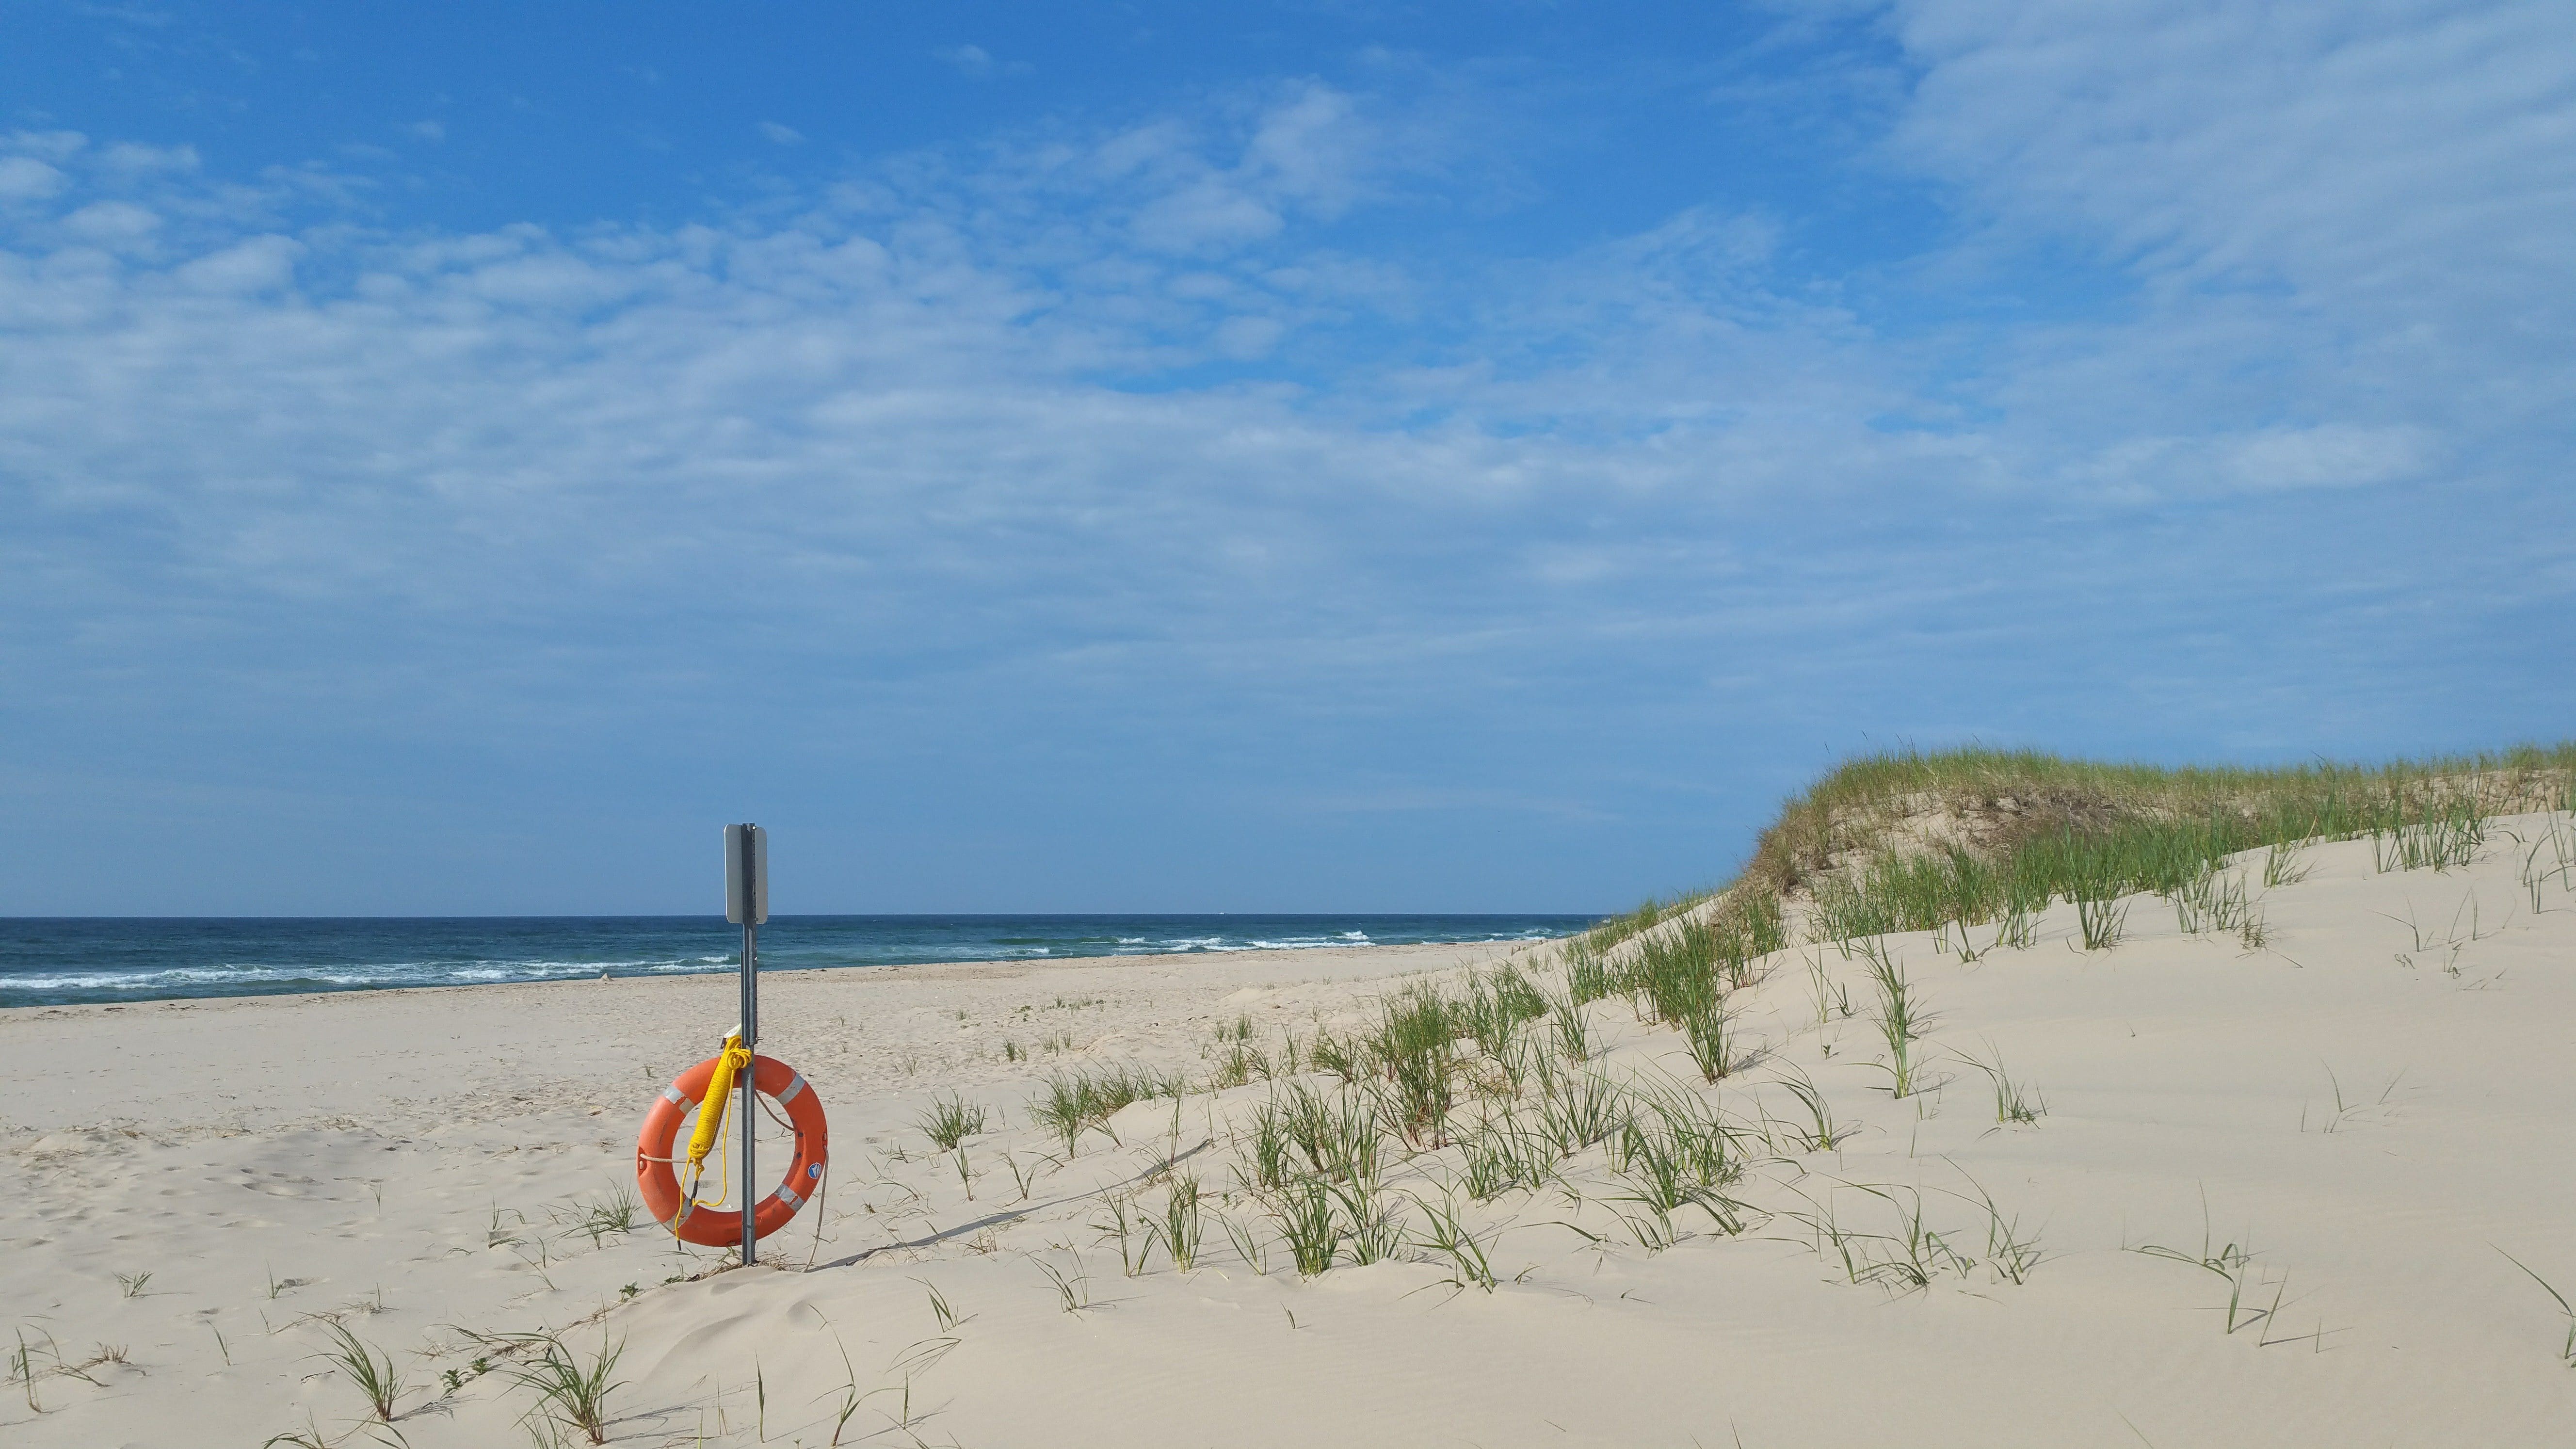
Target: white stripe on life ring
[788, 1094]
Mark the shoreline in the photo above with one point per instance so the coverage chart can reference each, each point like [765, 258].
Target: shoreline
[978, 969]
[669, 1018]
[148, 960]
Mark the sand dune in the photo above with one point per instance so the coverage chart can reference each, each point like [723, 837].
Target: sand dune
[2267, 1198]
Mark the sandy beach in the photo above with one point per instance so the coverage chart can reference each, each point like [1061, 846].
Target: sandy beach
[2255, 1196]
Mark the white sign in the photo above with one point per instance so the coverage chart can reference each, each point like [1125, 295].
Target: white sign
[746, 851]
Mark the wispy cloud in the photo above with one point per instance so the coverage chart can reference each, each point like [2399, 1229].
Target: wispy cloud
[976, 63]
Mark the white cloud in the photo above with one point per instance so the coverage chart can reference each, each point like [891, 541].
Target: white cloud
[24, 178]
[2334, 455]
[781, 135]
[137, 159]
[112, 221]
[259, 264]
[976, 63]
[54, 146]
[426, 130]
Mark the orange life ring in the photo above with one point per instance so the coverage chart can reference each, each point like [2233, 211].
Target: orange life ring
[722, 1227]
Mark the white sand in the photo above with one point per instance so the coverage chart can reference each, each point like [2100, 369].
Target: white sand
[367, 1151]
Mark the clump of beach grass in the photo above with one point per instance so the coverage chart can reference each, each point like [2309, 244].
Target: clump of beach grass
[950, 1120]
[1501, 1153]
[1246, 1245]
[1073, 1102]
[571, 1392]
[22, 1367]
[1820, 1132]
[1308, 1224]
[1344, 1057]
[2101, 917]
[1124, 1225]
[2212, 900]
[1572, 1036]
[1414, 1044]
[373, 1376]
[616, 1211]
[1581, 1109]
[2015, 1102]
[1901, 1018]
[1678, 1154]
[1072, 1285]
[1587, 977]
[941, 1311]
[1495, 1008]
[1448, 1235]
[1181, 1223]
[1371, 1228]
[2231, 1262]
[2438, 840]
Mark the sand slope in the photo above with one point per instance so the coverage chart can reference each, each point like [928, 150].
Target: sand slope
[2375, 1133]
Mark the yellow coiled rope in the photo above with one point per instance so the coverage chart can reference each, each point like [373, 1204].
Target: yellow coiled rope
[734, 1060]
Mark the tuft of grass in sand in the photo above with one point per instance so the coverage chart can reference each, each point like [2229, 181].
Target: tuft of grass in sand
[950, 1120]
[1450, 1238]
[2212, 900]
[1124, 1226]
[1901, 1018]
[373, 1376]
[1308, 1224]
[1572, 1032]
[1417, 1029]
[1072, 1287]
[1820, 1132]
[1181, 1224]
[2233, 1264]
[1709, 1029]
[2015, 1102]
[946, 1316]
[616, 1211]
[1677, 1155]
[1246, 1246]
[22, 1367]
[571, 1392]
[1073, 1102]
[2101, 918]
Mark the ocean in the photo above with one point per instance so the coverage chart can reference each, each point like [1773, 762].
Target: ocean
[53, 961]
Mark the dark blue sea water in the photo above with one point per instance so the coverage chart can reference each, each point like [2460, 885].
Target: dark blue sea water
[46, 961]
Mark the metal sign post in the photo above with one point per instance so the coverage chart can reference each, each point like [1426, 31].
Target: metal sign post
[747, 905]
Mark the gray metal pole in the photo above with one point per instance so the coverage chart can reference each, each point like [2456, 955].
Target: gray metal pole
[750, 1036]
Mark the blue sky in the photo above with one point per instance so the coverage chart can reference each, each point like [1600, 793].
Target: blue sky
[1323, 456]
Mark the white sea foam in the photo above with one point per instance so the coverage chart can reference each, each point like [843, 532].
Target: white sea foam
[360, 974]
[64, 980]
